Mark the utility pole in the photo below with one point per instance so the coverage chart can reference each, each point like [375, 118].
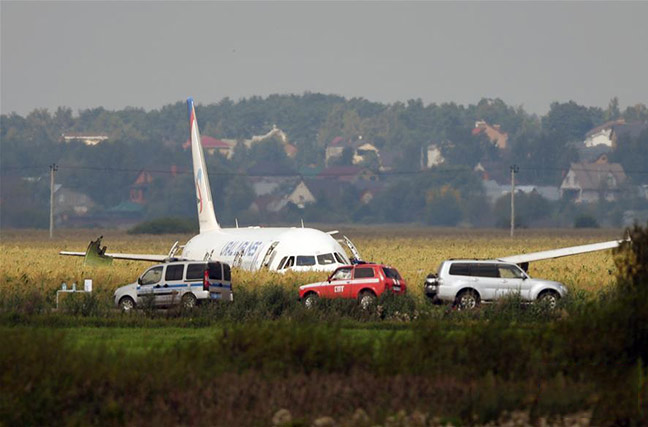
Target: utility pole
[53, 168]
[514, 169]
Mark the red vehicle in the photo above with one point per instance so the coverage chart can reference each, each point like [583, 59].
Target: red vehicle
[364, 282]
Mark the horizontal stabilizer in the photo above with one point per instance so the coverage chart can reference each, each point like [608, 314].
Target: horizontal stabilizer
[557, 253]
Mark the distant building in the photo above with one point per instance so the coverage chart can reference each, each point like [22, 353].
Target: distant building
[609, 133]
[493, 132]
[589, 182]
[212, 145]
[361, 150]
[140, 187]
[86, 138]
[434, 156]
[301, 196]
[602, 135]
[68, 202]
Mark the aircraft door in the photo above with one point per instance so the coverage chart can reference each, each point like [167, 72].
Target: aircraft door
[269, 256]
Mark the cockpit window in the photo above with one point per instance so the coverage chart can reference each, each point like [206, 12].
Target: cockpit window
[290, 262]
[281, 263]
[305, 260]
[340, 258]
[325, 259]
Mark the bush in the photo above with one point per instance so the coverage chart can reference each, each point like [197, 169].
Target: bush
[585, 221]
[165, 226]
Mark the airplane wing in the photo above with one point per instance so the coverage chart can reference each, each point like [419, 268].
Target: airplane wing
[557, 253]
[133, 257]
[96, 255]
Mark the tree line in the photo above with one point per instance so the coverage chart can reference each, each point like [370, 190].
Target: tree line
[542, 146]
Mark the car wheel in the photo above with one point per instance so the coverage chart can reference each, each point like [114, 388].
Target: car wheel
[366, 299]
[550, 298]
[189, 300]
[467, 300]
[311, 300]
[126, 304]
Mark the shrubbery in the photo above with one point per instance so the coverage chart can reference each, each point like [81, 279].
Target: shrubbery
[165, 226]
[270, 352]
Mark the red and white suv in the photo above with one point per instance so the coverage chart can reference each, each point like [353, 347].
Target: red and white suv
[364, 282]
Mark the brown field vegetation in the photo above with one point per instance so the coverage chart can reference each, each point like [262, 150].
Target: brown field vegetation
[30, 260]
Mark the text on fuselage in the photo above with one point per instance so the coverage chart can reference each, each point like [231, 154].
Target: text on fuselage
[245, 249]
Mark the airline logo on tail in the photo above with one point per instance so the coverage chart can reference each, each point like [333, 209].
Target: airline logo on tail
[198, 184]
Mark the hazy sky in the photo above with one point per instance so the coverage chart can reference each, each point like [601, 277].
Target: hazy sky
[148, 54]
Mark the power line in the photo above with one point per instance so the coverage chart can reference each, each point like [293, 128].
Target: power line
[321, 174]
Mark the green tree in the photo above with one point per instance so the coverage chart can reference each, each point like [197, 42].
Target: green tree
[568, 121]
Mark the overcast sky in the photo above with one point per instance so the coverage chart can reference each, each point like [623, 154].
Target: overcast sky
[148, 54]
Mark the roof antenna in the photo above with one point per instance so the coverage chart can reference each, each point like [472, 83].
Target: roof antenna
[302, 221]
[236, 221]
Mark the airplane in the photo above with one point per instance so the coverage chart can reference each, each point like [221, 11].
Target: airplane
[249, 248]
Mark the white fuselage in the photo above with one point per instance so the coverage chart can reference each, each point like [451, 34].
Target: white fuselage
[255, 247]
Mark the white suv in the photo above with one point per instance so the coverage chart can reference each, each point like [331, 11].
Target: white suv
[186, 282]
[467, 283]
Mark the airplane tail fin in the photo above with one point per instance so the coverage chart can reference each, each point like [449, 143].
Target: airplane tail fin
[206, 214]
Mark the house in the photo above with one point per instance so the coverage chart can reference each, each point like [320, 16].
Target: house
[301, 196]
[275, 132]
[608, 134]
[498, 172]
[70, 202]
[212, 145]
[139, 188]
[493, 132]
[433, 157]
[602, 135]
[85, 137]
[361, 150]
[589, 182]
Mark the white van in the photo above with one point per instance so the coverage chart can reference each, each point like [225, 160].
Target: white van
[178, 282]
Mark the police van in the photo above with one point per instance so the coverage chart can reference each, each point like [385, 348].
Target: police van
[177, 282]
